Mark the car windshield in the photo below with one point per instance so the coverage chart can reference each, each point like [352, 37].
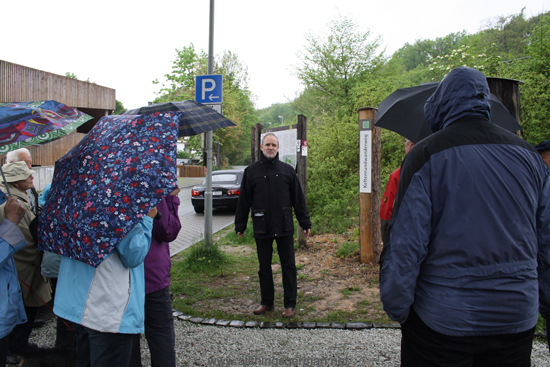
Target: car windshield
[226, 177]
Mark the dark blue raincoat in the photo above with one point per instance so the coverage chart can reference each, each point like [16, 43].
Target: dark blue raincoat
[469, 236]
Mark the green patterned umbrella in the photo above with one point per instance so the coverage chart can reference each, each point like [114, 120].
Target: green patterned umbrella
[28, 123]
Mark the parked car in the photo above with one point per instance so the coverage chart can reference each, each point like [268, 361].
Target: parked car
[226, 187]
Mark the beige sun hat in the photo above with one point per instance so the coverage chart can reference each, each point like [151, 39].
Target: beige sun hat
[16, 171]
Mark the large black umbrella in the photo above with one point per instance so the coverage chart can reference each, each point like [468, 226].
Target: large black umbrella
[403, 112]
[196, 118]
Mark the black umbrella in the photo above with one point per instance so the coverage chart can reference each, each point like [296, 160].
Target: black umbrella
[196, 118]
[403, 112]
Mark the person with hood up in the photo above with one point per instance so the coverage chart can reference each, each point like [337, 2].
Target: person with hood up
[469, 240]
[271, 189]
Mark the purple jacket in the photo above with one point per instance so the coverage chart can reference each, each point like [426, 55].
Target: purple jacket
[165, 230]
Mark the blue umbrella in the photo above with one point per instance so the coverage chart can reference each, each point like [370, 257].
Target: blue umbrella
[105, 185]
[196, 118]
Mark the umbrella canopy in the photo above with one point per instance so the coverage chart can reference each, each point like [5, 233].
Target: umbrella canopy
[105, 185]
[403, 112]
[27, 123]
[196, 117]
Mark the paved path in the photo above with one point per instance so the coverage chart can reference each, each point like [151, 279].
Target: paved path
[192, 224]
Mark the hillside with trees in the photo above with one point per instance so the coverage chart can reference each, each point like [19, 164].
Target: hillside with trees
[344, 69]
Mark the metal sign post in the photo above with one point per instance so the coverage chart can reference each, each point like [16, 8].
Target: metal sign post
[208, 189]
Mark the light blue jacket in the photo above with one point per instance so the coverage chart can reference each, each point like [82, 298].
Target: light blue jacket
[12, 310]
[111, 297]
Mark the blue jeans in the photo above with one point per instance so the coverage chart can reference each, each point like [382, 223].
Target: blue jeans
[159, 331]
[97, 349]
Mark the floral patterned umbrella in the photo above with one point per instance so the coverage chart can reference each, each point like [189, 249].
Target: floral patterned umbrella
[27, 123]
[104, 186]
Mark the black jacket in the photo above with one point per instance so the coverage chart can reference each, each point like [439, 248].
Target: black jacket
[271, 189]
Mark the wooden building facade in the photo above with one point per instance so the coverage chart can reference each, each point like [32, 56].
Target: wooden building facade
[21, 84]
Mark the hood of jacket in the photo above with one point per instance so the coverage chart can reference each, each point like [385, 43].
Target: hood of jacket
[464, 92]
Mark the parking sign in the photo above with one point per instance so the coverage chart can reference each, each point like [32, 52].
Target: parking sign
[209, 88]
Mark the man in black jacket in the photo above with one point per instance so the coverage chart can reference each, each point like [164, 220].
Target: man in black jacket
[270, 188]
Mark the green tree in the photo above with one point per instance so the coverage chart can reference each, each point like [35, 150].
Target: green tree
[534, 71]
[332, 67]
[269, 116]
[119, 107]
[332, 64]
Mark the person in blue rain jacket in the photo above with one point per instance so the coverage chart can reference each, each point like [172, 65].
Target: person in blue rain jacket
[466, 263]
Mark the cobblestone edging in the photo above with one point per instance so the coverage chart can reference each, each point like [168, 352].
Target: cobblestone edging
[281, 325]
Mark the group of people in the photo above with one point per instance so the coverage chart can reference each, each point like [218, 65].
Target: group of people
[103, 310]
[465, 267]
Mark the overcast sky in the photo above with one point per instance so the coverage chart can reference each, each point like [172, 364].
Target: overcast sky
[125, 45]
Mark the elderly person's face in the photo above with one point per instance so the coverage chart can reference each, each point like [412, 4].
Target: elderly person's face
[25, 157]
[24, 185]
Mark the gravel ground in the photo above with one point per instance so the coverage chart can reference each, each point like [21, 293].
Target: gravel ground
[200, 345]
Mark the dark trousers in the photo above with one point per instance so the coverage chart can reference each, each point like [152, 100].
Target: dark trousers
[4, 342]
[64, 335]
[424, 347]
[159, 331]
[19, 337]
[285, 248]
[97, 349]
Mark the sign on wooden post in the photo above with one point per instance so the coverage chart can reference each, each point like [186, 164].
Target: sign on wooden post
[369, 185]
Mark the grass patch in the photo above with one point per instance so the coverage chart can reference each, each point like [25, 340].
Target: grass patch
[347, 249]
[222, 282]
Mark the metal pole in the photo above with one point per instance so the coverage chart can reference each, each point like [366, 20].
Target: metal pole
[208, 189]
[218, 155]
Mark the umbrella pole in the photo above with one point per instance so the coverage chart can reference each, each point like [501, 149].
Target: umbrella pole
[5, 183]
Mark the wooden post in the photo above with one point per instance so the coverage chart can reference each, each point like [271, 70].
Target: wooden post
[252, 144]
[369, 190]
[301, 167]
[255, 142]
[507, 90]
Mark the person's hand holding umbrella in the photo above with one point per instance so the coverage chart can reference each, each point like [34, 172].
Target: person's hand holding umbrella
[14, 211]
[153, 213]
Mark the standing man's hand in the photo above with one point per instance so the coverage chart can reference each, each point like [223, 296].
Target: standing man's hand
[240, 234]
[307, 232]
[13, 210]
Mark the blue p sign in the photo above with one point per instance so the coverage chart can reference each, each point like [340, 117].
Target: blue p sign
[209, 88]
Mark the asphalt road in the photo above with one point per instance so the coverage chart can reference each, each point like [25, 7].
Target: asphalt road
[192, 224]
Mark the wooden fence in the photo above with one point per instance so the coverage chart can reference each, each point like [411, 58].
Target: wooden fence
[192, 171]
